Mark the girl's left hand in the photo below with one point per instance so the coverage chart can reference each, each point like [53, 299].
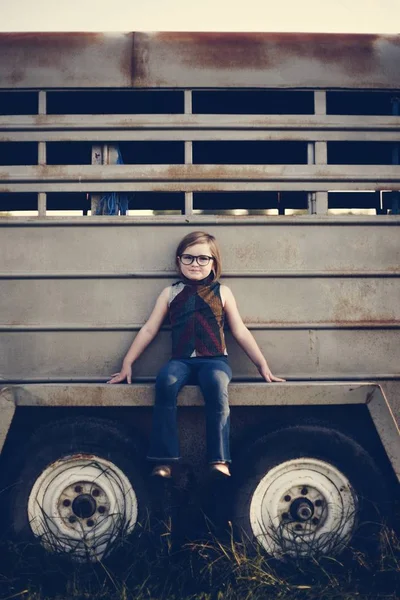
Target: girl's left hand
[267, 375]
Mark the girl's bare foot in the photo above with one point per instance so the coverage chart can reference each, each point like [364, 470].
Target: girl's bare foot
[162, 471]
[220, 468]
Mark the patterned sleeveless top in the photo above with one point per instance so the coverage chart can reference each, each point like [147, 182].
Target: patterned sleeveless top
[197, 319]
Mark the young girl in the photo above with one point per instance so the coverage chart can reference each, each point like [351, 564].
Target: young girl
[197, 306]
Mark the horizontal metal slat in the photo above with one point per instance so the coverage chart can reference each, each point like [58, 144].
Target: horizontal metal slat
[222, 186]
[112, 135]
[174, 221]
[188, 173]
[198, 121]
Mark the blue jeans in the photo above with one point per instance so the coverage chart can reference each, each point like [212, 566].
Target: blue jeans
[212, 375]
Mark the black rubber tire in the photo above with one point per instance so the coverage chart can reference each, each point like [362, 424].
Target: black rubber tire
[366, 480]
[56, 440]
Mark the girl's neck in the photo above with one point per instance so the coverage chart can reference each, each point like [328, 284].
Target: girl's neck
[206, 281]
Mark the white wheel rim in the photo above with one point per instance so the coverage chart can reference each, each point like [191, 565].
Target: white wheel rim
[82, 505]
[303, 507]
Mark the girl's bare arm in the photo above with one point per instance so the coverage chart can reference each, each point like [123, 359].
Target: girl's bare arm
[244, 337]
[146, 334]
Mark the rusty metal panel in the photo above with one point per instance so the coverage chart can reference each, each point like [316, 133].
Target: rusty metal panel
[65, 60]
[266, 60]
[143, 60]
[256, 246]
[298, 353]
[263, 302]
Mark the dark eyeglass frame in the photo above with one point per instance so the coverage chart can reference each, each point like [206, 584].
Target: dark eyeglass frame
[192, 258]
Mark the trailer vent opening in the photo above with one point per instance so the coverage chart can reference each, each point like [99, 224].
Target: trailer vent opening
[250, 203]
[253, 102]
[18, 103]
[148, 153]
[18, 153]
[361, 102]
[95, 102]
[17, 203]
[153, 203]
[69, 153]
[373, 202]
[68, 203]
[250, 152]
[361, 153]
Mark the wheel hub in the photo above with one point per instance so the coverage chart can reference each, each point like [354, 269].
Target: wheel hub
[301, 509]
[83, 505]
[304, 505]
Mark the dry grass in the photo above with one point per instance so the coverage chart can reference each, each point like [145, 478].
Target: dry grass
[207, 569]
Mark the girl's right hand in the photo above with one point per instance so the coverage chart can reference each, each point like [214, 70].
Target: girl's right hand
[125, 373]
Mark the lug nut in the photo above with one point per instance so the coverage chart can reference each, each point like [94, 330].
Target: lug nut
[102, 509]
[287, 498]
[298, 527]
[318, 503]
[304, 491]
[96, 493]
[90, 523]
[72, 519]
[315, 521]
[67, 502]
[78, 489]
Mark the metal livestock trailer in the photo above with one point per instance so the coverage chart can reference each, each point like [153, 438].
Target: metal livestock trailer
[286, 147]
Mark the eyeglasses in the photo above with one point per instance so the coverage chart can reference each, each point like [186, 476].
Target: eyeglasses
[203, 260]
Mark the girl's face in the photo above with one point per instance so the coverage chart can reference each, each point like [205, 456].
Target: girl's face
[195, 271]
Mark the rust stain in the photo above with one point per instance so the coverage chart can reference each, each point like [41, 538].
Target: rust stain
[354, 53]
[28, 50]
[82, 455]
[48, 47]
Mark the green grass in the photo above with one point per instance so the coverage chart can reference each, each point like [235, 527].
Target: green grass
[208, 569]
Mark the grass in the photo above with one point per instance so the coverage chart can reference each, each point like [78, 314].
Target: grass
[213, 568]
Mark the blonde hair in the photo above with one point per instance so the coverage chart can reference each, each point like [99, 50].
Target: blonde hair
[201, 237]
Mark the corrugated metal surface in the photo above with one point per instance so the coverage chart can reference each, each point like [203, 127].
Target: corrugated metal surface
[319, 300]
[270, 246]
[58, 60]
[74, 294]
[295, 354]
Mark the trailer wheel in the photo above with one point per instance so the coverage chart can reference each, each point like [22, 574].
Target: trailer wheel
[308, 491]
[80, 490]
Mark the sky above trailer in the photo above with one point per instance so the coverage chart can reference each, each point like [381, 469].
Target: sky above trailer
[325, 16]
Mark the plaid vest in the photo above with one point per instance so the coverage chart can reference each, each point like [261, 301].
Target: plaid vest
[197, 320]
